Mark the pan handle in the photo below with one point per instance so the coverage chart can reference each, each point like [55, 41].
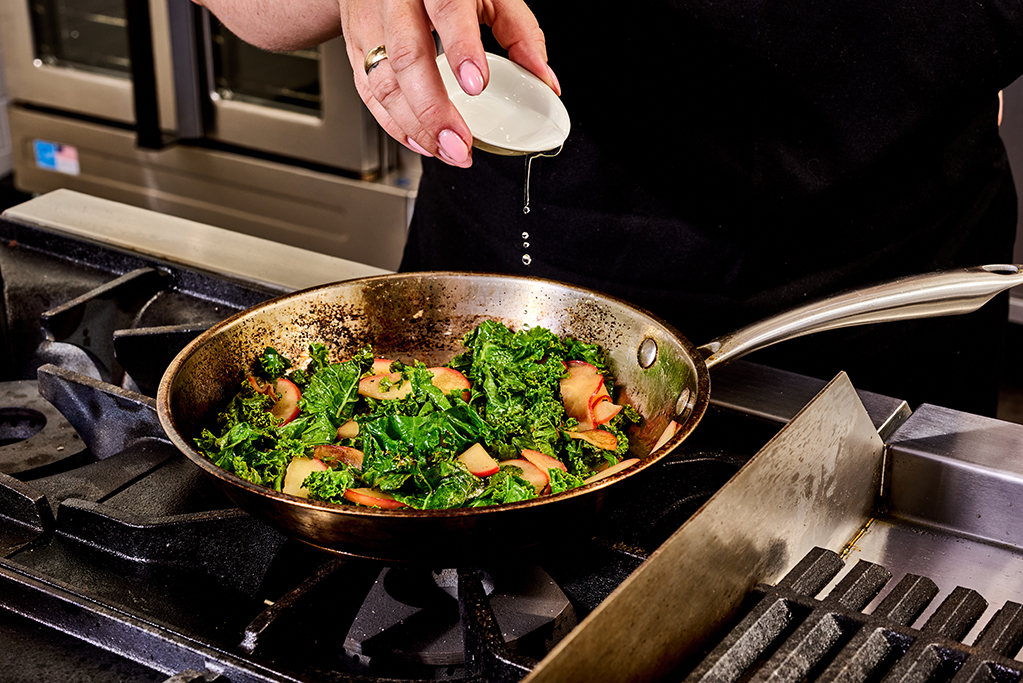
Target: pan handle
[949, 292]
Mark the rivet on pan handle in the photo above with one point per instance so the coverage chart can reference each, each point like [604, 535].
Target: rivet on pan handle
[647, 353]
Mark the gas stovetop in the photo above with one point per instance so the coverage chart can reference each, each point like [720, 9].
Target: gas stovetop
[120, 561]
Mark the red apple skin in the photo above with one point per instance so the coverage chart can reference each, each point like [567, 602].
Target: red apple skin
[449, 379]
[478, 461]
[373, 498]
[531, 473]
[286, 407]
[381, 366]
[298, 470]
[577, 390]
[543, 461]
[259, 385]
[614, 469]
[335, 453]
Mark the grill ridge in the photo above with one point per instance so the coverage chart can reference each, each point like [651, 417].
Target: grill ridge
[790, 635]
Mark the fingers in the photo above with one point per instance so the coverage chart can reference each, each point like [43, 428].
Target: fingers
[517, 30]
[458, 28]
[404, 91]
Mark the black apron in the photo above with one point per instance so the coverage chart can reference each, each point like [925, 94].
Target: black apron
[730, 160]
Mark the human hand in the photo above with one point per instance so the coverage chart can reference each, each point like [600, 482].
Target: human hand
[404, 91]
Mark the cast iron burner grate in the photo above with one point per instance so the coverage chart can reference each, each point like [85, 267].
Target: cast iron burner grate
[789, 635]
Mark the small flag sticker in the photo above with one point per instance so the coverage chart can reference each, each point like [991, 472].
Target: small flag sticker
[54, 156]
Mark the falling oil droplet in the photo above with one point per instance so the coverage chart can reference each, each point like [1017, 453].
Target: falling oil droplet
[526, 259]
[525, 235]
[525, 245]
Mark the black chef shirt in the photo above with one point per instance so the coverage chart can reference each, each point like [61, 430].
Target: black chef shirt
[731, 159]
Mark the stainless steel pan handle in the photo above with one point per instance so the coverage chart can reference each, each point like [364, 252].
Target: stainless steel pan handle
[950, 292]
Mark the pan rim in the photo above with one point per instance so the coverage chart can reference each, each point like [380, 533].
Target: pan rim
[696, 407]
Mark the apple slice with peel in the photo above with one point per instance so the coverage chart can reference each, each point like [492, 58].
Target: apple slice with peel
[381, 366]
[285, 393]
[577, 388]
[613, 469]
[478, 461]
[334, 454]
[298, 470]
[385, 386]
[603, 410]
[288, 394]
[530, 472]
[445, 379]
[597, 437]
[373, 498]
[449, 379]
[259, 385]
[543, 461]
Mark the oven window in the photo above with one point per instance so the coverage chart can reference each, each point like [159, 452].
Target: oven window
[82, 34]
[283, 80]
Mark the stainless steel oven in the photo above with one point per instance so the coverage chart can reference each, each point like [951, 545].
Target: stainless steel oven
[156, 104]
[6, 153]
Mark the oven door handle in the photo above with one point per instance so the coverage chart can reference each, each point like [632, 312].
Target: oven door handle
[143, 74]
[189, 27]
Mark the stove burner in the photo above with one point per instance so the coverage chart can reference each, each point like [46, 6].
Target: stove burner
[33, 433]
[411, 616]
[790, 636]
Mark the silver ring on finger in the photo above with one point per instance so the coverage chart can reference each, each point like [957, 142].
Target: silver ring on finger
[374, 57]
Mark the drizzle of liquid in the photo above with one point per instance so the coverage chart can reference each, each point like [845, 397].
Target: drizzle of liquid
[529, 169]
[526, 259]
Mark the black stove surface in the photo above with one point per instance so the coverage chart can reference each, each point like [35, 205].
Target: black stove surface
[120, 561]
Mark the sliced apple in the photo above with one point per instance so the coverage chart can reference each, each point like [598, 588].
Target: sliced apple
[613, 469]
[260, 386]
[602, 408]
[449, 379]
[597, 437]
[385, 386]
[288, 394]
[298, 470]
[578, 388]
[335, 454]
[530, 472]
[390, 385]
[600, 394]
[373, 498]
[381, 366]
[349, 430]
[478, 461]
[669, 431]
[543, 461]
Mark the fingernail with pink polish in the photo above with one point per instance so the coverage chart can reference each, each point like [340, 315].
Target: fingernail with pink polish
[416, 147]
[470, 77]
[452, 148]
[554, 79]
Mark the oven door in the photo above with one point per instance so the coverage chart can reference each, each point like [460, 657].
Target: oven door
[171, 71]
[301, 105]
[74, 56]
